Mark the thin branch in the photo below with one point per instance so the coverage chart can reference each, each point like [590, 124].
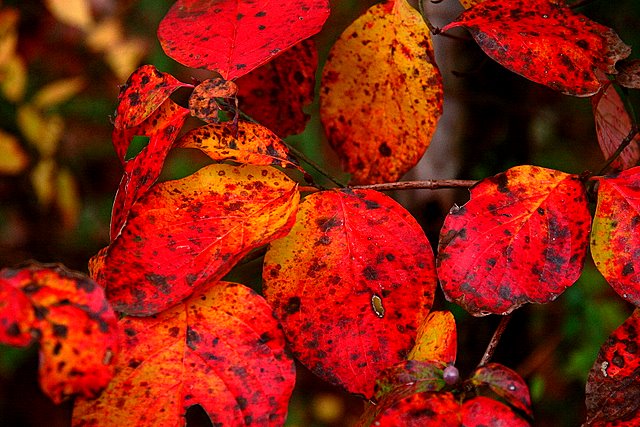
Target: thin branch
[581, 3]
[495, 339]
[431, 184]
[624, 144]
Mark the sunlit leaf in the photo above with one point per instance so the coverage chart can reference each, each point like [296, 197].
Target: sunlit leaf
[222, 350]
[72, 12]
[234, 37]
[14, 159]
[8, 33]
[349, 294]
[505, 383]
[58, 91]
[613, 124]
[202, 102]
[141, 172]
[13, 78]
[69, 315]
[67, 198]
[629, 74]
[545, 41]
[43, 131]
[613, 387]
[381, 93]
[182, 234]
[416, 410]
[437, 339]
[615, 240]
[43, 177]
[521, 238]
[275, 94]
[482, 411]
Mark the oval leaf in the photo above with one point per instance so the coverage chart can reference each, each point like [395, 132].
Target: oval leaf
[222, 350]
[203, 103]
[187, 232]
[506, 383]
[437, 339]
[420, 409]
[545, 41]
[521, 238]
[482, 411]
[69, 315]
[234, 37]
[615, 236]
[613, 387]
[381, 93]
[349, 294]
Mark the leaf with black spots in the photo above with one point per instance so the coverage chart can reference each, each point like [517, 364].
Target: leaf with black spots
[482, 411]
[203, 103]
[505, 383]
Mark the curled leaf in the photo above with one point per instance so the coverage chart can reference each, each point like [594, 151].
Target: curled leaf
[202, 102]
[506, 383]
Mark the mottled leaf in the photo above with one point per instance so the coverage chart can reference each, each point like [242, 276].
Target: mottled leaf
[234, 37]
[418, 410]
[182, 234]
[469, 3]
[69, 316]
[142, 171]
[222, 350]
[521, 238]
[482, 411]
[145, 91]
[629, 74]
[381, 93]
[14, 159]
[275, 94]
[615, 237]
[202, 102]
[613, 387]
[349, 294]
[545, 41]
[505, 383]
[437, 339]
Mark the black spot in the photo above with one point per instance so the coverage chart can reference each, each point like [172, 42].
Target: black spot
[60, 331]
[193, 338]
[384, 150]
[31, 288]
[503, 183]
[628, 269]
[326, 224]
[370, 273]
[618, 360]
[293, 305]
[13, 329]
[370, 204]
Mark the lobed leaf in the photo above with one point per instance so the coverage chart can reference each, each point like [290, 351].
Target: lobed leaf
[70, 317]
[521, 238]
[505, 383]
[234, 37]
[545, 41]
[221, 349]
[381, 93]
[614, 235]
[185, 233]
[437, 339]
[348, 293]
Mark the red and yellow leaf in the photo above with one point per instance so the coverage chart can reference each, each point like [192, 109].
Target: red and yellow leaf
[615, 236]
[469, 3]
[275, 94]
[381, 93]
[234, 37]
[613, 124]
[222, 350]
[613, 387]
[545, 41]
[505, 383]
[162, 128]
[521, 238]
[70, 317]
[185, 233]
[349, 294]
[482, 411]
[421, 409]
[203, 103]
[437, 339]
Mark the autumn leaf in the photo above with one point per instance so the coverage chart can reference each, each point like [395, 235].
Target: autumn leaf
[629, 74]
[437, 339]
[72, 12]
[521, 238]
[613, 125]
[381, 93]
[14, 159]
[182, 234]
[613, 386]
[505, 383]
[67, 313]
[614, 234]
[203, 103]
[143, 170]
[419, 409]
[469, 3]
[545, 41]
[275, 94]
[349, 294]
[221, 349]
[482, 411]
[234, 37]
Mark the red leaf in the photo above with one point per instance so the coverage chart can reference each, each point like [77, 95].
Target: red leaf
[234, 37]
[145, 91]
[482, 411]
[421, 409]
[521, 238]
[506, 383]
[613, 387]
[187, 232]
[276, 93]
[629, 74]
[69, 315]
[615, 236]
[437, 339]
[613, 125]
[545, 41]
[349, 294]
[141, 172]
[222, 350]
[202, 102]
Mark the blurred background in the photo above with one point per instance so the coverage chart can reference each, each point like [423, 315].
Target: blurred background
[61, 63]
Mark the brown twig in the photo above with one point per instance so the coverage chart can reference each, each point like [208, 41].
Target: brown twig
[431, 184]
[625, 142]
[495, 339]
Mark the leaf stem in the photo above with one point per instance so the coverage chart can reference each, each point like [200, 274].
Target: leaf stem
[431, 184]
[495, 339]
[624, 144]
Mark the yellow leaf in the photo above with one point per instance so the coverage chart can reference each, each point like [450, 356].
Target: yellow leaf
[58, 91]
[437, 339]
[105, 34]
[381, 93]
[8, 34]
[13, 159]
[13, 78]
[43, 131]
[76, 13]
[469, 3]
[67, 198]
[43, 181]
[124, 57]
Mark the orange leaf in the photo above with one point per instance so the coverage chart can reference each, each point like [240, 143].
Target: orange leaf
[349, 294]
[437, 339]
[187, 232]
[222, 350]
[202, 102]
[381, 93]
[69, 315]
